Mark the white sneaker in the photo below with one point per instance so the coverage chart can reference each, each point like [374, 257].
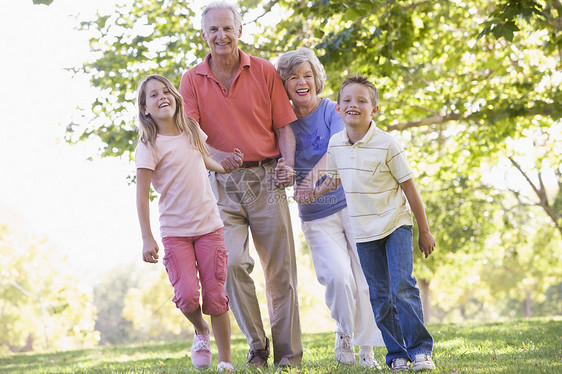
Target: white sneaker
[225, 367]
[399, 364]
[367, 359]
[423, 361]
[344, 349]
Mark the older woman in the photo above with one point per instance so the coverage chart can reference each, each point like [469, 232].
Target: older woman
[325, 222]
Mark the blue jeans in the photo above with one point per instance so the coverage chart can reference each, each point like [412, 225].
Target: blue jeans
[395, 297]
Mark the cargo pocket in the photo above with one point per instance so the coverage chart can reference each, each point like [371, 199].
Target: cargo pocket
[171, 269]
[221, 258]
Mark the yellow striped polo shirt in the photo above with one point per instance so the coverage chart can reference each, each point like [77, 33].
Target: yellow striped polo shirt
[371, 171]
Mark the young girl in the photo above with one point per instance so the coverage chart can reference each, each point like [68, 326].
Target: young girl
[171, 154]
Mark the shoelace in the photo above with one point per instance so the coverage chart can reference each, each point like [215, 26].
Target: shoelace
[199, 346]
[261, 353]
[399, 362]
[346, 340]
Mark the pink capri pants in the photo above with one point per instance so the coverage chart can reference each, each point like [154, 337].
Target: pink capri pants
[183, 257]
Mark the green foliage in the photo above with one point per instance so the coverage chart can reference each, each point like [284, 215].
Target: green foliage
[109, 300]
[40, 307]
[149, 308]
[44, 2]
[513, 347]
[523, 262]
[504, 18]
[425, 57]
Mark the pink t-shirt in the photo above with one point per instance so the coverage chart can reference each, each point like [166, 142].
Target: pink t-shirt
[244, 116]
[187, 204]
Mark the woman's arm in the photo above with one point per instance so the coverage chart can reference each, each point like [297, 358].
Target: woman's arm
[149, 247]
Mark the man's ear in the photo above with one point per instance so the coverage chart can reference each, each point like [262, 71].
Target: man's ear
[375, 110]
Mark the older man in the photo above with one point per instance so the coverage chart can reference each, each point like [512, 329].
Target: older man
[240, 102]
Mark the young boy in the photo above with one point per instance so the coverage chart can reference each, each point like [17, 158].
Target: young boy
[377, 180]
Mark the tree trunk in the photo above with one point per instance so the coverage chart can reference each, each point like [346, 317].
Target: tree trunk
[462, 309]
[426, 299]
[527, 305]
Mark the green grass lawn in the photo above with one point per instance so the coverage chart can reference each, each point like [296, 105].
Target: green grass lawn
[530, 346]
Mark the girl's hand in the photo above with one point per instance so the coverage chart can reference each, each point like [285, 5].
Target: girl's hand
[239, 153]
[150, 251]
[232, 161]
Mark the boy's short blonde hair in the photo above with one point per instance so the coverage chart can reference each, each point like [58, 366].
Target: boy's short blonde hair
[361, 79]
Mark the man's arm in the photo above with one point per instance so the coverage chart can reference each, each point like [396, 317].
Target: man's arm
[284, 173]
[287, 144]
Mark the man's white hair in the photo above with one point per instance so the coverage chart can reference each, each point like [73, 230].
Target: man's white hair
[222, 5]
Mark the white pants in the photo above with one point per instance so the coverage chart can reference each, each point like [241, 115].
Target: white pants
[337, 266]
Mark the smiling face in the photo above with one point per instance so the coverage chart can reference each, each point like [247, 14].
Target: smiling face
[355, 106]
[301, 86]
[221, 33]
[160, 103]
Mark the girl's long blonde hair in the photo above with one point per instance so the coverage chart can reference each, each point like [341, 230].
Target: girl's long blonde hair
[148, 128]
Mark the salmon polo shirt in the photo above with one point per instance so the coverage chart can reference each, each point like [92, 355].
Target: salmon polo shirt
[244, 116]
[371, 171]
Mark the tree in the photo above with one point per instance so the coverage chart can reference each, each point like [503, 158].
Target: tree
[148, 307]
[109, 300]
[524, 261]
[459, 81]
[473, 73]
[40, 307]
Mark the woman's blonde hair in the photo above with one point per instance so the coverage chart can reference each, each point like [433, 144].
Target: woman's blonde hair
[148, 128]
[290, 61]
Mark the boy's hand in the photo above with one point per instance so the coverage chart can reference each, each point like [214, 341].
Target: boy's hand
[150, 251]
[426, 243]
[284, 174]
[304, 195]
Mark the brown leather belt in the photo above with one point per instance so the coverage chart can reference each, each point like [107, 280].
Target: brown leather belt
[253, 164]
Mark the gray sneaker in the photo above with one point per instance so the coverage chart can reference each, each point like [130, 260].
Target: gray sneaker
[399, 364]
[423, 361]
[344, 351]
[368, 360]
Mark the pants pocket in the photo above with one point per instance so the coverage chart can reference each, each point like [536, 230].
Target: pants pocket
[171, 269]
[221, 257]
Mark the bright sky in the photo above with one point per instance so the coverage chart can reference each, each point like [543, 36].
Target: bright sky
[86, 208]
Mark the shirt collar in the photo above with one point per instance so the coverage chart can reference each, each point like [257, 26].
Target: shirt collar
[205, 69]
[366, 138]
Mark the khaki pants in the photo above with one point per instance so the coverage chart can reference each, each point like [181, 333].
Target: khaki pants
[248, 198]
